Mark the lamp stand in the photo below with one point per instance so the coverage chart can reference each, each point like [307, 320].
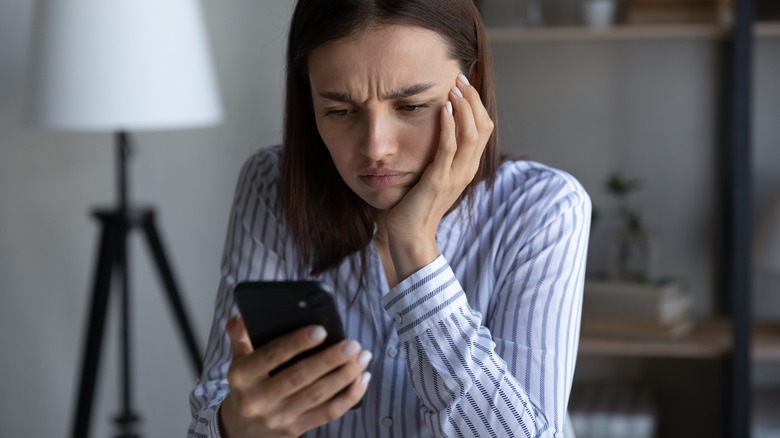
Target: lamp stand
[112, 260]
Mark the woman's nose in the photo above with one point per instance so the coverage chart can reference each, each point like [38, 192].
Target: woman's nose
[380, 138]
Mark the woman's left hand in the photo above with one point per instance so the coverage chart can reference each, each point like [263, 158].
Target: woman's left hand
[412, 224]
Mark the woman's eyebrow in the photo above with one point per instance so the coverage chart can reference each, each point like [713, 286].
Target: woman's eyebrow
[409, 91]
[401, 93]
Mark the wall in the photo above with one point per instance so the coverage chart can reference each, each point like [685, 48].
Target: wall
[49, 182]
[594, 107]
[643, 107]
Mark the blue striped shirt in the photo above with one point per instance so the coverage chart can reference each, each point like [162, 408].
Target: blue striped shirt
[482, 342]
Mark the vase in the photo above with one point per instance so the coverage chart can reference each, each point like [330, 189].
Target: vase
[599, 13]
[633, 256]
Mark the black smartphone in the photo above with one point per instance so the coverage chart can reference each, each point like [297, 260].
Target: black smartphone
[274, 308]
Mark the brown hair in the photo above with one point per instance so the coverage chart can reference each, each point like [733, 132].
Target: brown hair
[328, 221]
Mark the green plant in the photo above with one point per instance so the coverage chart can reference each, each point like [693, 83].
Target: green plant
[620, 187]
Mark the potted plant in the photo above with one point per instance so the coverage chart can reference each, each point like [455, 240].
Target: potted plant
[632, 246]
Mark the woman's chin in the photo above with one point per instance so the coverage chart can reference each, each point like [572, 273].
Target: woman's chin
[383, 203]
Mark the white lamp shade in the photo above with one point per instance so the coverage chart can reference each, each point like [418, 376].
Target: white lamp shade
[120, 65]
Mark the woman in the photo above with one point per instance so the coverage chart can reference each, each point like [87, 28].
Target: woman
[459, 273]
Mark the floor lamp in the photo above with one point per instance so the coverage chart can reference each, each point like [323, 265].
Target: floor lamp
[120, 66]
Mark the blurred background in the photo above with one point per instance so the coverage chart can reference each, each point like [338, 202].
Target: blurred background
[649, 107]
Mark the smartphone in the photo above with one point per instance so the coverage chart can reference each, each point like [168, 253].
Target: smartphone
[274, 308]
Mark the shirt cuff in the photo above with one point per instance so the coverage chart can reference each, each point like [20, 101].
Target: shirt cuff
[215, 427]
[424, 298]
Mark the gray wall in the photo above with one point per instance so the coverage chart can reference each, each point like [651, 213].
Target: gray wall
[591, 108]
[647, 108]
[50, 181]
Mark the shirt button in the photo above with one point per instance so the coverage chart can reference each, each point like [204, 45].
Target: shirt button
[387, 422]
[398, 318]
[392, 352]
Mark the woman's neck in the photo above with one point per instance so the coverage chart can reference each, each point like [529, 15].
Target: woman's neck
[380, 235]
[383, 248]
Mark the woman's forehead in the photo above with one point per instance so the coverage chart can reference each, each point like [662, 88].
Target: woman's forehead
[391, 52]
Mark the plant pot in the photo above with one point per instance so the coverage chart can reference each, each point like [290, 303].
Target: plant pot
[599, 13]
[633, 256]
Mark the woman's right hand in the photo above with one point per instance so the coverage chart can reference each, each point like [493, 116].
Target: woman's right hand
[300, 397]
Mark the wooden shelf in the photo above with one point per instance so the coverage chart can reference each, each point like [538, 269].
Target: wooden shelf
[622, 33]
[768, 29]
[766, 341]
[709, 339]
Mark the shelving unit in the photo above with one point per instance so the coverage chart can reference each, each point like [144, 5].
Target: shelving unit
[624, 33]
[732, 341]
[710, 339]
[766, 342]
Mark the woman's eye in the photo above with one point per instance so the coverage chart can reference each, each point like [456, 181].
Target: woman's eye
[412, 108]
[338, 112]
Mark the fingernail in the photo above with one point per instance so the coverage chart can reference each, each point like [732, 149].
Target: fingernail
[449, 106]
[365, 378]
[318, 333]
[364, 358]
[456, 91]
[233, 323]
[351, 348]
[463, 78]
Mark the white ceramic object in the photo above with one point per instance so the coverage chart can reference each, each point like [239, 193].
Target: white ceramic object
[599, 13]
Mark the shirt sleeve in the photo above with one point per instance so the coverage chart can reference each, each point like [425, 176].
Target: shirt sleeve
[254, 249]
[510, 375]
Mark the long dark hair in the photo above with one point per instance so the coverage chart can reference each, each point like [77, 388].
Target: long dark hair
[328, 221]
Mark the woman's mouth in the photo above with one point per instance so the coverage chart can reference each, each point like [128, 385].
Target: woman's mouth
[377, 179]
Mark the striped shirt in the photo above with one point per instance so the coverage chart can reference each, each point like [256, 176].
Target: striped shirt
[481, 342]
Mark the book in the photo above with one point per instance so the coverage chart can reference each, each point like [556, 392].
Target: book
[663, 302]
[632, 327]
[658, 288]
[611, 411]
[673, 11]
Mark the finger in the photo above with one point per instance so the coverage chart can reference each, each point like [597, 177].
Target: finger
[472, 96]
[477, 130]
[282, 349]
[333, 385]
[300, 377]
[467, 135]
[276, 352]
[441, 165]
[240, 344]
[464, 115]
[447, 142]
[483, 123]
[337, 406]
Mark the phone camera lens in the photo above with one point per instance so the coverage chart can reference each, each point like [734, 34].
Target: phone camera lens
[302, 304]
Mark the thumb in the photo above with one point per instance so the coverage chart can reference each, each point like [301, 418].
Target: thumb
[240, 344]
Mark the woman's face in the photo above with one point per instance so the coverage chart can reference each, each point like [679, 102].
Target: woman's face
[378, 96]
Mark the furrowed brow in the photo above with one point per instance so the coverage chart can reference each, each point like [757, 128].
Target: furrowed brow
[409, 91]
[336, 96]
[401, 93]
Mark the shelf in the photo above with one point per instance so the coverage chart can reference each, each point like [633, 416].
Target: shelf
[766, 341]
[767, 29]
[709, 339]
[622, 33]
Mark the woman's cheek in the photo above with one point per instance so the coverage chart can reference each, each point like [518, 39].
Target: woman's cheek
[425, 135]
